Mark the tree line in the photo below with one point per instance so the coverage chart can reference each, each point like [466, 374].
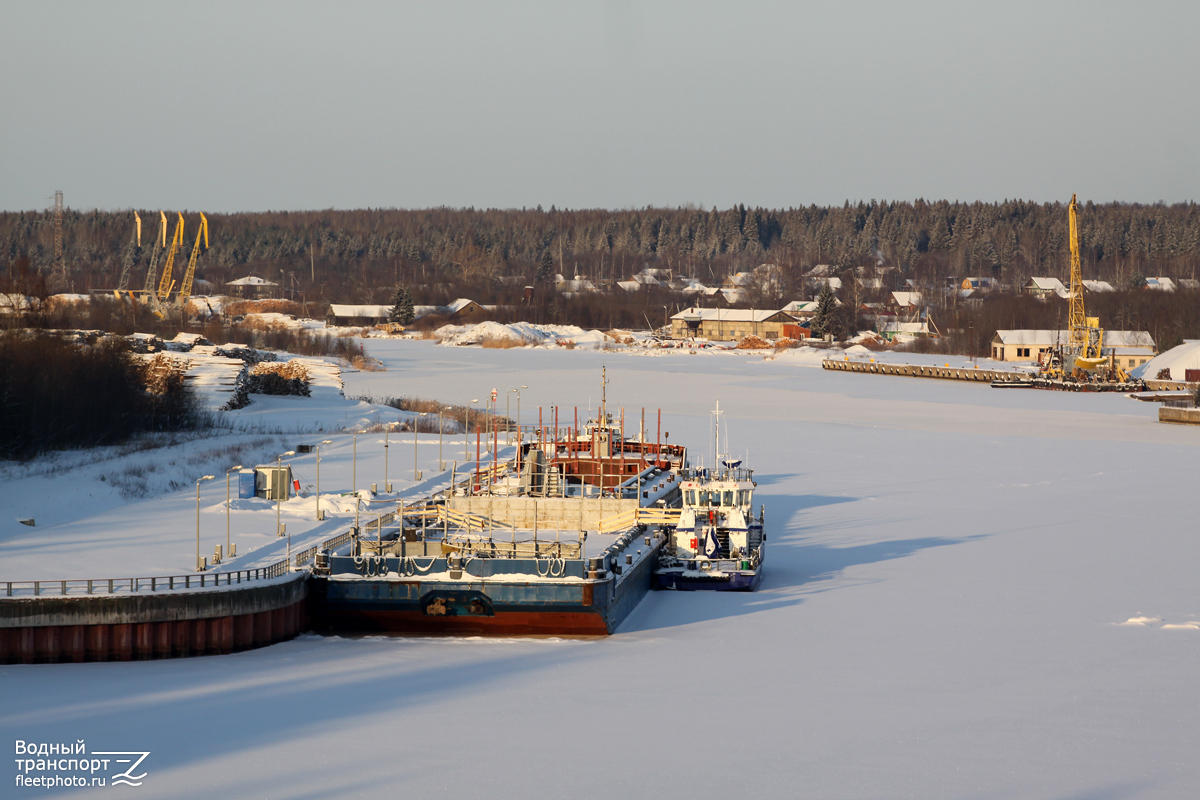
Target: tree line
[360, 255]
[493, 255]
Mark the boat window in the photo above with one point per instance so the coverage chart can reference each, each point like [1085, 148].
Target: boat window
[691, 498]
[728, 498]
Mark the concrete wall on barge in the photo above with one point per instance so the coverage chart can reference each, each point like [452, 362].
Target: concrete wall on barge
[552, 513]
[108, 628]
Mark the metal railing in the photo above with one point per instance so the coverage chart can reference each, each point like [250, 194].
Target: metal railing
[168, 583]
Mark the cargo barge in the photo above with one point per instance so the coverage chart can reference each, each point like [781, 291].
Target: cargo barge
[561, 540]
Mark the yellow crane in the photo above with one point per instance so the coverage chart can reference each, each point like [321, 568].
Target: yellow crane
[185, 291]
[160, 244]
[1085, 338]
[166, 284]
[123, 283]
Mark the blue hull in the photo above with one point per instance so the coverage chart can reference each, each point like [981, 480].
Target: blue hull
[730, 582]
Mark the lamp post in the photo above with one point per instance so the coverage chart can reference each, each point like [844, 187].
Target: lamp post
[326, 441]
[354, 467]
[198, 482]
[278, 494]
[416, 437]
[386, 437]
[441, 426]
[231, 469]
[467, 434]
[518, 391]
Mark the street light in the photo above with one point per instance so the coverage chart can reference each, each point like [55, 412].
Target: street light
[467, 433]
[231, 469]
[198, 482]
[416, 431]
[319, 477]
[508, 414]
[441, 425]
[518, 391]
[387, 487]
[278, 494]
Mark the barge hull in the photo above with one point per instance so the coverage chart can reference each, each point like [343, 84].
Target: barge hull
[504, 623]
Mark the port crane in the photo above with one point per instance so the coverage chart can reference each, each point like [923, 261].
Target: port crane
[185, 290]
[134, 252]
[165, 285]
[1082, 358]
[160, 244]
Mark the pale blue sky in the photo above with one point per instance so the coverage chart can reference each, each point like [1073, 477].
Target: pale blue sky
[222, 106]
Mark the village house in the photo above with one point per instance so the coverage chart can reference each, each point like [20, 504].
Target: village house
[342, 315]
[729, 324]
[1044, 287]
[250, 287]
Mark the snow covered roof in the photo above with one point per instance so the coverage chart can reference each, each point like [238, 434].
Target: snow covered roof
[727, 314]
[12, 303]
[458, 305]
[629, 286]
[1047, 285]
[1140, 339]
[1098, 286]
[1188, 283]
[906, 299]
[250, 280]
[1161, 284]
[342, 310]
[800, 307]
[904, 327]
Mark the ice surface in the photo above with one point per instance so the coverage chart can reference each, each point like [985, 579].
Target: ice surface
[948, 611]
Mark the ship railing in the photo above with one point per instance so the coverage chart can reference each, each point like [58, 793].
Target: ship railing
[525, 548]
[638, 516]
[139, 585]
[717, 474]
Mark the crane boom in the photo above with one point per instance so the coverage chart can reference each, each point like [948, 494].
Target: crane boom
[164, 285]
[185, 290]
[159, 246]
[1077, 333]
[123, 283]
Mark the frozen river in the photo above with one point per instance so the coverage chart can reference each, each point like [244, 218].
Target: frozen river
[948, 571]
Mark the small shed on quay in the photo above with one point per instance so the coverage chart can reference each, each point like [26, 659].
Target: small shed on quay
[729, 324]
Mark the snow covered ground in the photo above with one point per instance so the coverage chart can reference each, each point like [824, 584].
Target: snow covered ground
[969, 594]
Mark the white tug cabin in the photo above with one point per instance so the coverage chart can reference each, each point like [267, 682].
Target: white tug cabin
[717, 502]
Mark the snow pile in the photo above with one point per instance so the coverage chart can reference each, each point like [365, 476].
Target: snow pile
[1176, 361]
[519, 333]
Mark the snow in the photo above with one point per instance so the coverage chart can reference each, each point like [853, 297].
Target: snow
[967, 593]
[1178, 360]
[524, 333]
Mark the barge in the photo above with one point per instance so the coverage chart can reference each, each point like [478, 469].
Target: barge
[561, 540]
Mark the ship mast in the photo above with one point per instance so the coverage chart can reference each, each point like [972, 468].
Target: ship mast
[717, 435]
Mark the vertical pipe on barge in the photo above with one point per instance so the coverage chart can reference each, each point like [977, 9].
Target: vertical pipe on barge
[622, 480]
[658, 438]
[475, 481]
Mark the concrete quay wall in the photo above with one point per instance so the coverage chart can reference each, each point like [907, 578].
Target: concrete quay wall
[922, 371]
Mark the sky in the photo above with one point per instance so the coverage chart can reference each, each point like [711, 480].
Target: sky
[243, 106]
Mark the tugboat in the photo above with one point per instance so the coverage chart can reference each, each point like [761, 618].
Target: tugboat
[718, 544]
